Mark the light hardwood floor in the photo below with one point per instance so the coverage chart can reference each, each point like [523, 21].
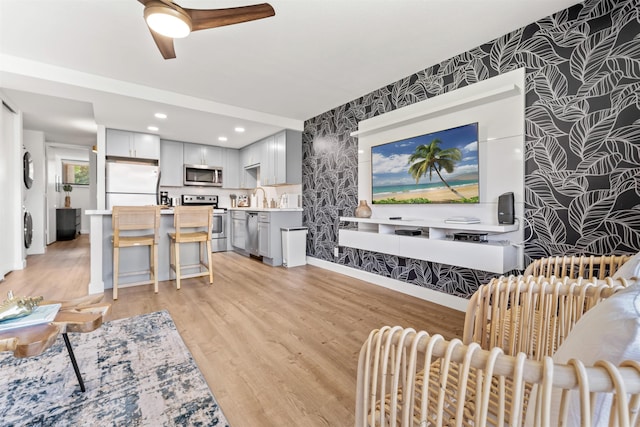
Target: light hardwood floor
[277, 346]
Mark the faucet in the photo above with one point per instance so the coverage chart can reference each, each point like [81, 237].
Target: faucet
[264, 196]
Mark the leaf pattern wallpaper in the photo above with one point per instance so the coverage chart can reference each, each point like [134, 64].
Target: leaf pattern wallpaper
[582, 142]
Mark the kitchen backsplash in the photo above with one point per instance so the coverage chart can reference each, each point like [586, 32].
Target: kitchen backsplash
[271, 193]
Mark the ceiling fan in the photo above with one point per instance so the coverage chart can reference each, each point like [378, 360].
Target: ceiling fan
[166, 20]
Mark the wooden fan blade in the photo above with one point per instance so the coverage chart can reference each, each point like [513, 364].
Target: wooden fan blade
[165, 44]
[203, 19]
[167, 2]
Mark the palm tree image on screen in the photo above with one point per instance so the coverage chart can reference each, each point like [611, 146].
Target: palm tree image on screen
[429, 158]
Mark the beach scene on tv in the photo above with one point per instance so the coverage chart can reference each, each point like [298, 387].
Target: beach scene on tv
[439, 167]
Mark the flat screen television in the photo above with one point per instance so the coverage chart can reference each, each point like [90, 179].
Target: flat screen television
[437, 167]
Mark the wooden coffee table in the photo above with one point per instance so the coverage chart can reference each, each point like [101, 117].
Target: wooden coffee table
[80, 315]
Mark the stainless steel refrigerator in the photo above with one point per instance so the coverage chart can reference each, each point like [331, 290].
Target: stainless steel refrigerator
[131, 183]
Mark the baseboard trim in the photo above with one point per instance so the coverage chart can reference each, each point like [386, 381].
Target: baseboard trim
[450, 301]
[95, 288]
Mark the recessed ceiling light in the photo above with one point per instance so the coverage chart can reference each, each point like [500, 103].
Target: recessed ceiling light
[222, 138]
[160, 115]
[239, 129]
[153, 128]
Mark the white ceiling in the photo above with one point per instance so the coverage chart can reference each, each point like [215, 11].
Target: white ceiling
[94, 62]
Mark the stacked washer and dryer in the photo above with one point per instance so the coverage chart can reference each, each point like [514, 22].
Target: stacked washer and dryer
[27, 173]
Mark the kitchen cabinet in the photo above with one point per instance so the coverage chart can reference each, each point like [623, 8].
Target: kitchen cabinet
[269, 231]
[171, 163]
[122, 143]
[248, 178]
[67, 223]
[279, 157]
[249, 166]
[238, 229]
[198, 154]
[267, 160]
[280, 168]
[231, 168]
[264, 235]
[250, 155]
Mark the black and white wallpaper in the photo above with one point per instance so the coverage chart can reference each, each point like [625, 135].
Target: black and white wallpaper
[582, 142]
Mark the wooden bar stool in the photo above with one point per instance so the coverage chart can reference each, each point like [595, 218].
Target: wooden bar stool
[192, 224]
[131, 219]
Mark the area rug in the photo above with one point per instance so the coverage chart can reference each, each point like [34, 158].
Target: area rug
[137, 372]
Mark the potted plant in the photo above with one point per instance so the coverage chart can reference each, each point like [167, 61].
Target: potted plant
[67, 199]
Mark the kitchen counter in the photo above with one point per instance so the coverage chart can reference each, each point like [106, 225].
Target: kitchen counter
[168, 211]
[131, 259]
[136, 259]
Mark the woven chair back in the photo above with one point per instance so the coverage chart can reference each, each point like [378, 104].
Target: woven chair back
[573, 267]
[139, 218]
[530, 314]
[192, 219]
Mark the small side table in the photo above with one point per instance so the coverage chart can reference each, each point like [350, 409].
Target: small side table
[80, 315]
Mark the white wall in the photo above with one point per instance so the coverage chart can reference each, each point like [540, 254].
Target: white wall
[12, 252]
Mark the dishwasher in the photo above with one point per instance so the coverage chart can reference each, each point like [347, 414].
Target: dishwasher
[252, 234]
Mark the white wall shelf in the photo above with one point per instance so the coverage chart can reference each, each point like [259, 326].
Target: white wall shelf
[444, 108]
[378, 235]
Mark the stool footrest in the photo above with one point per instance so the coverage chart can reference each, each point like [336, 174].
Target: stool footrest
[136, 273]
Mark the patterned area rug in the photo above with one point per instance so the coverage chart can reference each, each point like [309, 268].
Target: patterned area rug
[137, 372]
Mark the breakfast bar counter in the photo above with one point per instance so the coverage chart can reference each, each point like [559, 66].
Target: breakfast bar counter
[131, 259]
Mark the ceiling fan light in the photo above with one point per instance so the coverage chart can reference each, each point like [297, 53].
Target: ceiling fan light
[168, 22]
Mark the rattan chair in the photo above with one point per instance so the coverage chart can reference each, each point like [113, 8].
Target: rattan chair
[128, 222]
[469, 386]
[192, 224]
[526, 318]
[531, 314]
[573, 267]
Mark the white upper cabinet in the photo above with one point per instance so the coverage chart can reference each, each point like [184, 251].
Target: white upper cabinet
[171, 163]
[231, 168]
[198, 154]
[122, 143]
[279, 157]
[283, 159]
[267, 161]
[250, 155]
[280, 160]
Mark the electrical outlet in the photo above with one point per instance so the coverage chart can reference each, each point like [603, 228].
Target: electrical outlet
[335, 251]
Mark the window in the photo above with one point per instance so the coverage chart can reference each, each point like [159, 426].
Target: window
[75, 172]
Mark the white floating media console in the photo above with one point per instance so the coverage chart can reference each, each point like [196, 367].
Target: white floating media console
[378, 235]
[497, 105]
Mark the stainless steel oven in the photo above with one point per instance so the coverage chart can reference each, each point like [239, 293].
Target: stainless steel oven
[220, 219]
[219, 230]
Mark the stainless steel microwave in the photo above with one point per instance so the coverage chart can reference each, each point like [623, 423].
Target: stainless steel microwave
[203, 175]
